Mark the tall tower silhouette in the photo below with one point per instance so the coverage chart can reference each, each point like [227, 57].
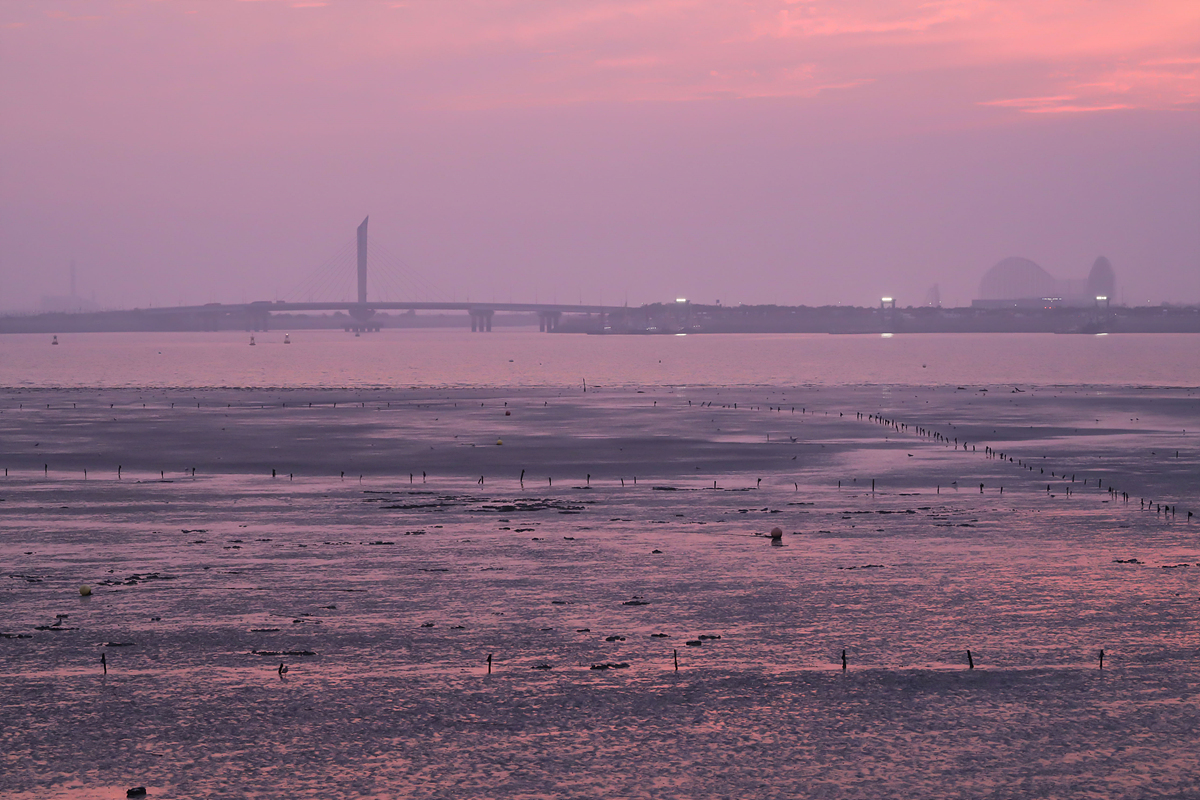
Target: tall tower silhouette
[362, 260]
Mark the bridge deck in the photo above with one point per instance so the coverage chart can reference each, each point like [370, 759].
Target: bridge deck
[262, 306]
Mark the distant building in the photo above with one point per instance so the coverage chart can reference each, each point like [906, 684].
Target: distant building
[1020, 283]
[1102, 281]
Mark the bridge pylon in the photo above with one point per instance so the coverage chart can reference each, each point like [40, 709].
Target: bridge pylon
[360, 311]
[362, 260]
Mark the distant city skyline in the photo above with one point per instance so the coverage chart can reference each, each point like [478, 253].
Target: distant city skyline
[604, 152]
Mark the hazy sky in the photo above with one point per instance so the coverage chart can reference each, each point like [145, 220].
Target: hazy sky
[605, 150]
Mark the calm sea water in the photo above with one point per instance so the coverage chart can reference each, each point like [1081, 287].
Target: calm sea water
[454, 358]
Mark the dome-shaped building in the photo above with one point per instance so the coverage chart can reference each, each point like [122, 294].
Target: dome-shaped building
[1016, 278]
[1102, 280]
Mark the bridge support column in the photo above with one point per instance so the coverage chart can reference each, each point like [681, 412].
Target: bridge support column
[256, 320]
[481, 320]
[548, 320]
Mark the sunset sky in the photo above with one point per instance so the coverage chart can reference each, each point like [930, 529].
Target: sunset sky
[607, 151]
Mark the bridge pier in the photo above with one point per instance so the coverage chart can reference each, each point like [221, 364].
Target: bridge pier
[256, 319]
[360, 312]
[548, 320]
[481, 320]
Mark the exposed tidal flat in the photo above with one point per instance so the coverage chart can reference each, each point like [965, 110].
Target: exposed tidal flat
[396, 548]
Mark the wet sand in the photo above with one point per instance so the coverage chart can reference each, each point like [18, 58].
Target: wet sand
[400, 590]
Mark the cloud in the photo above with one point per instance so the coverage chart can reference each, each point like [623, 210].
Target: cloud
[1151, 84]
[1059, 104]
[461, 54]
[514, 52]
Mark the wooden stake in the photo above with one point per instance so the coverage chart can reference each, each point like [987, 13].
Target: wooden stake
[843, 661]
[676, 655]
[489, 663]
[970, 661]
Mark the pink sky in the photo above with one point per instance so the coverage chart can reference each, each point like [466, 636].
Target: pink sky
[792, 152]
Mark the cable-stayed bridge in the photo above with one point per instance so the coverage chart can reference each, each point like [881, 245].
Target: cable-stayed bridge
[361, 310]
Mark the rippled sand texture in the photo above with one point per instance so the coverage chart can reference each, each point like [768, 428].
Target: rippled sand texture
[384, 597]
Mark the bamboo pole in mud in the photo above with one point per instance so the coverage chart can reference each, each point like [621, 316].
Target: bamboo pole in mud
[489, 663]
[843, 661]
[675, 655]
[1101, 659]
[970, 661]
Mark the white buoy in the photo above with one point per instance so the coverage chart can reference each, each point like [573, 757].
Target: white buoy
[85, 591]
[287, 338]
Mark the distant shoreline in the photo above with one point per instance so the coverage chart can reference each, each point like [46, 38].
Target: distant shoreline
[664, 319]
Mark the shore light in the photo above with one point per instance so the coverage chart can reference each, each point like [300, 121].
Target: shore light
[680, 299]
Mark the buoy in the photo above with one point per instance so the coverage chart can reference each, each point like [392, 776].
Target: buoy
[54, 340]
[776, 533]
[498, 442]
[251, 341]
[85, 591]
[287, 338]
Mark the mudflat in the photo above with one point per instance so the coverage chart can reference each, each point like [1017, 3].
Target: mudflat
[588, 543]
